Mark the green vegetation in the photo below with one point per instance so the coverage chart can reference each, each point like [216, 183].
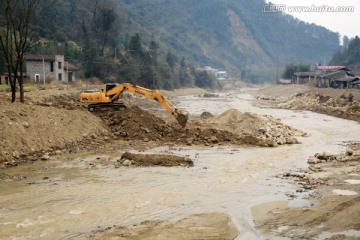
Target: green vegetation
[348, 56]
[27, 87]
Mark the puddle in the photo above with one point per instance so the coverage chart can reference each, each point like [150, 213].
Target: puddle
[344, 192]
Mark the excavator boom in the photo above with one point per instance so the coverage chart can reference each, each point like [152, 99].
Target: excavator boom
[111, 93]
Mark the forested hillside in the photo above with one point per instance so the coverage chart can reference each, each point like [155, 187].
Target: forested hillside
[162, 43]
[349, 56]
[235, 35]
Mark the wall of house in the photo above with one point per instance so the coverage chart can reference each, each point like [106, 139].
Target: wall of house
[59, 68]
[54, 70]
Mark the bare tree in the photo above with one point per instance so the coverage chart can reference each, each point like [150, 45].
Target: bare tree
[15, 39]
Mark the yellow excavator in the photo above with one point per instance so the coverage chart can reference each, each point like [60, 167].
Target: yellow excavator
[110, 92]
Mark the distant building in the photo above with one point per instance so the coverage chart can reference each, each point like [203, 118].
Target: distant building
[49, 67]
[328, 76]
[304, 78]
[221, 75]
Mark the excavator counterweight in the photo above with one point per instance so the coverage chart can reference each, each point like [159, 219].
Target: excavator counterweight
[110, 92]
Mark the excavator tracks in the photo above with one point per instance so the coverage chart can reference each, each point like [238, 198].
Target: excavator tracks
[106, 106]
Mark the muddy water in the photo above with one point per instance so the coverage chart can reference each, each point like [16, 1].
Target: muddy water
[68, 197]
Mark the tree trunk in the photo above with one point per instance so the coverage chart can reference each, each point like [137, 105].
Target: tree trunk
[13, 88]
[21, 82]
[21, 90]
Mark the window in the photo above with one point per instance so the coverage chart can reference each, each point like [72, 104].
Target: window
[60, 77]
[59, 63]
[51, 66]
[6, 80]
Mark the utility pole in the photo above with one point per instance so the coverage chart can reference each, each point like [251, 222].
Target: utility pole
[44, 69]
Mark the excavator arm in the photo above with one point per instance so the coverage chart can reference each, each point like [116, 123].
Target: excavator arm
[112, 94]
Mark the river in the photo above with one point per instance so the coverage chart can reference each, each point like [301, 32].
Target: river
[67, 198]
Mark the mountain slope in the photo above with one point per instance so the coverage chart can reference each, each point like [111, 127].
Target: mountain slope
[235, 35]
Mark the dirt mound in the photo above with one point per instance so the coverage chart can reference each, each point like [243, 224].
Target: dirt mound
[145, 160]
[137, 124]
[27, 129]
[259, 126]
[243, 123]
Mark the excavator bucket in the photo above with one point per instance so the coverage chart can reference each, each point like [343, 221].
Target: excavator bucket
[182, 117]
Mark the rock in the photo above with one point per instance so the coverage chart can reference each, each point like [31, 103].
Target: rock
[16, 155]
[313, 160]
[206, 115]
[327, 155]
[126, 163]
[214, 139]
[210, 95]
[45, 157]
[349, 151]
[189, 141]
[26, 124]
[58, 152]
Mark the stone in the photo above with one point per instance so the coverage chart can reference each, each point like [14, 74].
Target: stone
[58, 152]
[15, 155]
[349, 151]
[45, 157]
[26, 124]
[214, 139]
[313, 160]
[127, 163]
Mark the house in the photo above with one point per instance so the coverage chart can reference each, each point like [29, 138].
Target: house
[304, 78]
[336, 78]
[328, 76]
[220, 75]
[4, 78]
[41, 68]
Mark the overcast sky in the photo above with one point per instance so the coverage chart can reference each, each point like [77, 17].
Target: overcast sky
[345, 23]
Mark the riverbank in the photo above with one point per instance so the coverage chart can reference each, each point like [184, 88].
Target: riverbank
[341, 103]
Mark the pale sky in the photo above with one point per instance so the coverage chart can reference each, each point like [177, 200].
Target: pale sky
[345, 23]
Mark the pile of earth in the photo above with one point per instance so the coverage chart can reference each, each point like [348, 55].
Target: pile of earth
[146, 160]
[343, 106]
[263, 127]
[136, 124]
[32, 130]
